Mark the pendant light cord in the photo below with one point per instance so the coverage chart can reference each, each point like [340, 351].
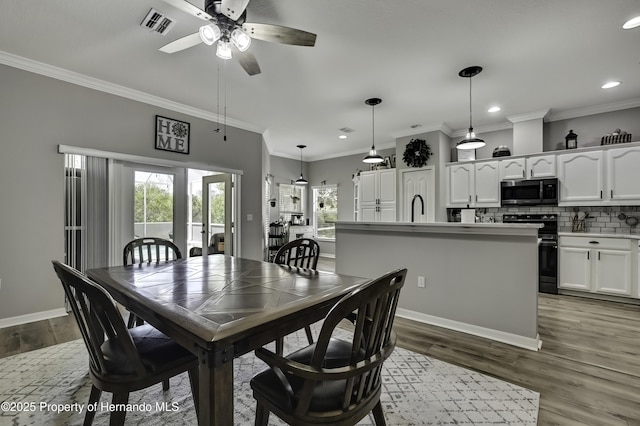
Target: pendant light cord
[224, 67]
[373, 127]
[470, 118]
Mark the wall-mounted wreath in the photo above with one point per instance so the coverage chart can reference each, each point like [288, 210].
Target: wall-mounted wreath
[417, 153]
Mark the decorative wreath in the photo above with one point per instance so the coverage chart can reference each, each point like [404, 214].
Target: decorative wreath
[417, 153]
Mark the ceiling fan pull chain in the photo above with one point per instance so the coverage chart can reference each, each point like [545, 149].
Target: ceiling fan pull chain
[224, 67]
[218, 98]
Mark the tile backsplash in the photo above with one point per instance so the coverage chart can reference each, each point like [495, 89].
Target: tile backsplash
[602, 220]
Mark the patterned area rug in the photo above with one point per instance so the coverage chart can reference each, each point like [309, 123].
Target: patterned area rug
[51, 386]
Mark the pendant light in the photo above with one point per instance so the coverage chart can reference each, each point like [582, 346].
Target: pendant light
[301, 180]
[373, 156]
[470, 141]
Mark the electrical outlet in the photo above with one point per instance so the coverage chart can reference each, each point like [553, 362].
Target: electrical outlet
[421, 282]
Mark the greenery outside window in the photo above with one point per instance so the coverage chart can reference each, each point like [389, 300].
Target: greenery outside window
[325, 211]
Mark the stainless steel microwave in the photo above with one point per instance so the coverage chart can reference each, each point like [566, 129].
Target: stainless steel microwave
[532, 192]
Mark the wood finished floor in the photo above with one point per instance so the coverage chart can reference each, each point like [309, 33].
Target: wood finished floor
[587, 373]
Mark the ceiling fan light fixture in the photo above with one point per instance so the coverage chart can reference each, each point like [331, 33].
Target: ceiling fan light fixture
[223, 51]
[209, 34]
[470, 141]
[632, 23]
[241, 40]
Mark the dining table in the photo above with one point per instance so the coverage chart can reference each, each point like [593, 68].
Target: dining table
[221, 307]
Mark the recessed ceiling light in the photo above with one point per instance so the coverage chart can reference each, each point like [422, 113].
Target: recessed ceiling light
[494, 109]
[610, 84]
[342, 137]
[632, 23]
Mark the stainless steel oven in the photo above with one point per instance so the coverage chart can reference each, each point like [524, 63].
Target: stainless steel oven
[547, 248]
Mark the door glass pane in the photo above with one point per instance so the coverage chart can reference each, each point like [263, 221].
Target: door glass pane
[153, 205]
[216, 212]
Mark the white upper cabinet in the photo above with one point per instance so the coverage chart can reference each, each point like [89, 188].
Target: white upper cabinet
[487, 184]
[534, 167]
[541, 166]
[623, 175]
[473, 184]
[513, 168]
[581, 177]
[460, 184]
[377, 196]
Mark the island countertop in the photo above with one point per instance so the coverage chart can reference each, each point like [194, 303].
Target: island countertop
[521, 229]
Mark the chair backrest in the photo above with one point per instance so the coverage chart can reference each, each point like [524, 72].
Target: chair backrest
[300, 253]
[98, 320]
[374, 306]
[216, 245]
[147, 250]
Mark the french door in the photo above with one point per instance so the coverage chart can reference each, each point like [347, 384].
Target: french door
[218, 213]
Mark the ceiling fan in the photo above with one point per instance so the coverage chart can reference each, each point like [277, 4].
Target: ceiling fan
[227, 28]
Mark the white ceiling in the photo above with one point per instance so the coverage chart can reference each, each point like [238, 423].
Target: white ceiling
[536, 55]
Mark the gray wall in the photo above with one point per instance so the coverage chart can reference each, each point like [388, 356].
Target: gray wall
[36, 115]
[590, 129]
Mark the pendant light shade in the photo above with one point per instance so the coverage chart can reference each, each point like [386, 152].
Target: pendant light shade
[373, 156]
[301, 180]
[470, 141]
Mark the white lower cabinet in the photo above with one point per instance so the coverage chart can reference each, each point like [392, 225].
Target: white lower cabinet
[597, 265]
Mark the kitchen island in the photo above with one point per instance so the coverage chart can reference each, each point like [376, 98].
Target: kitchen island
[478, 278]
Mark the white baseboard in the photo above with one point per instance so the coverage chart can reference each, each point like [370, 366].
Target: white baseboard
[532, 344]
[36, 316]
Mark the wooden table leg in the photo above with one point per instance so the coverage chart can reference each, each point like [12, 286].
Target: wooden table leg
[216, 393]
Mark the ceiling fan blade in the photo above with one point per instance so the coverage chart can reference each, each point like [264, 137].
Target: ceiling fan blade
[279, 34]
[233, 8]
[247, 61]
[182, 43]
[187, 7]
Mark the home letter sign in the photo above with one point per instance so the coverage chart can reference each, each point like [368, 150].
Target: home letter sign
[172, 135]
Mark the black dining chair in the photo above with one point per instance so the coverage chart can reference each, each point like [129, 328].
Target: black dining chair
[334, 381]
[121, 359]
[298, 253]
[148, 250]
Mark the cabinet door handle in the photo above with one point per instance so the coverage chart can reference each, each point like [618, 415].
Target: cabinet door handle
[476, 198]
[587, 255]
[469, 197]
[601, 194]
[612, 193]
[531, 172]
[594, 242]
[598, 255]
[524, 174]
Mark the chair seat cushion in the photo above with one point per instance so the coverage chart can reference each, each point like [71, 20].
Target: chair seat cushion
[327, 395]
[157, 352]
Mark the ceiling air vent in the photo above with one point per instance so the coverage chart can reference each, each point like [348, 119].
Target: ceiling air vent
[157, 22]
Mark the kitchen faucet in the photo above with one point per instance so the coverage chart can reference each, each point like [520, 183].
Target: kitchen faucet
[413, 204]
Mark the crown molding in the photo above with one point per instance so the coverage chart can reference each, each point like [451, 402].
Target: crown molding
[72, 77]
[592, 110]
[534, 115]
[483, 129]
[417, 131]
